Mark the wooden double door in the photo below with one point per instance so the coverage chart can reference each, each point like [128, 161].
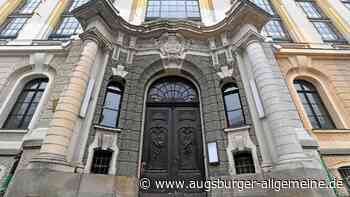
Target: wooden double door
[172, 146]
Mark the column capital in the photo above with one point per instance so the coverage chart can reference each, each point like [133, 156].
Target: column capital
[93, 34]
[249, 38]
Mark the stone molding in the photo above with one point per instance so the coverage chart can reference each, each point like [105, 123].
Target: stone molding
[96, 36]
[239, 140]
[104, 140]
[241, 12]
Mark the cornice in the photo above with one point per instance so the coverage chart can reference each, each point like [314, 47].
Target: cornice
[95, 35]
[242, 12]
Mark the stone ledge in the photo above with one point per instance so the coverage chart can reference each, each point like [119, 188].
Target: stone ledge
[114, 130]
[244, 127]
[335, 151]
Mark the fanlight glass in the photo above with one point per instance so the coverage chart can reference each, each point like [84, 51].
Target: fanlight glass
[172, 90]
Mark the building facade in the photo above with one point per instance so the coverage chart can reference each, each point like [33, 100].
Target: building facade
[98, 96]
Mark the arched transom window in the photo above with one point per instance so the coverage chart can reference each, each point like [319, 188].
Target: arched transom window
[170, 90]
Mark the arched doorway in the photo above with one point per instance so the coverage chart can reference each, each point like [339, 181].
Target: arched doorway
[172, 143]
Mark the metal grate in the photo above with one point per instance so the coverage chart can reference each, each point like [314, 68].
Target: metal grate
[244, 163]
[101, 161]
[345, 174]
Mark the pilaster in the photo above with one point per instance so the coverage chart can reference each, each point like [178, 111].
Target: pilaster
[300, 28]
[39, 24]
[7, 8]
[339, 15]
[207, 11]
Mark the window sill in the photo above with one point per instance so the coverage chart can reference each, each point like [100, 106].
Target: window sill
[240, 128]
[13, 131]
[331, 130]
[115, 130]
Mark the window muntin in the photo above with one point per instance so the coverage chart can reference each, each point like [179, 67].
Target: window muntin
[345, 175]
[29, 6]
[18, 19]
[172, 90]
[77, 3]
[265, 5]
[68, 24]
[233, 106]
[111, 106]
[173, 9]
[274, 28]
[244, 162]
[26, 104]
[347, 3]
[311, 9]
[320, 21]
[326, 30]
[13, 27]
[101, 161]
[313, 105]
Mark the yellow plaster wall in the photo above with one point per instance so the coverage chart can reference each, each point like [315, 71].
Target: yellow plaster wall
[290, 24]
[7, 8]
[330, 75]
[56, 14]
[331, 12]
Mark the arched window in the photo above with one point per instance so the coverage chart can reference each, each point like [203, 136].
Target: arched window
[345, 175]
[313, 105]
[101, 161]
[233, 105]
[244, 162]
[111, 105]
[26, 104]
[172, 90]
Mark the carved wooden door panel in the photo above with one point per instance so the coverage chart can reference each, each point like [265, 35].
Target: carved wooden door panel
[172, 147]
[188, 156]
[155, 157]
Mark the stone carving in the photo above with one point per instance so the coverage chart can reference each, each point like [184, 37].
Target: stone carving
[120, 71]
[187, 148]
[225, 72]
[158, 141]
[187, 140]
[172, 48]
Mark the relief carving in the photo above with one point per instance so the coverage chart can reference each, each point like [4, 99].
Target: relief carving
[158, 143]
[172, 48]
